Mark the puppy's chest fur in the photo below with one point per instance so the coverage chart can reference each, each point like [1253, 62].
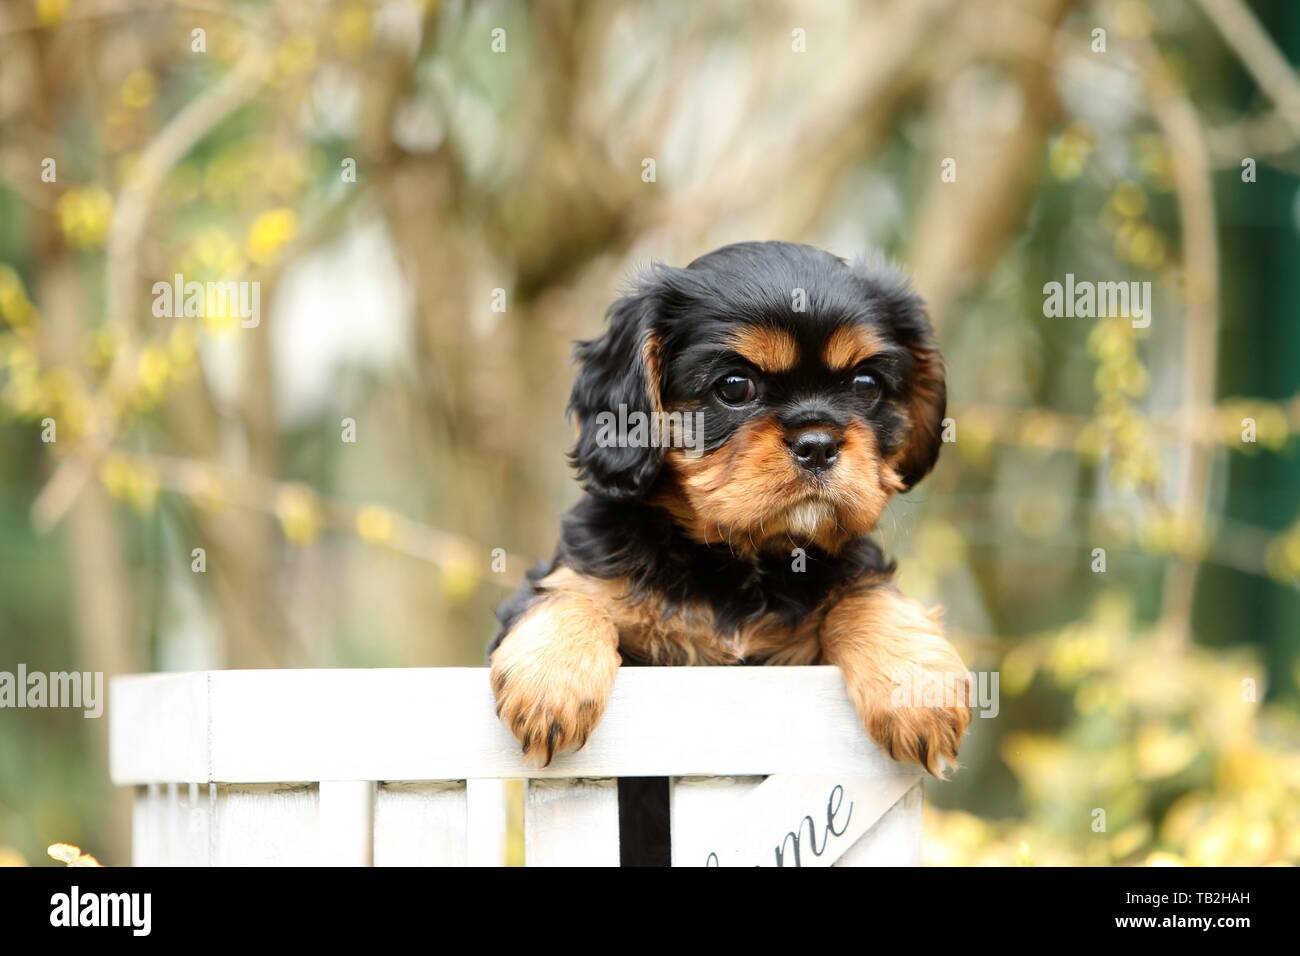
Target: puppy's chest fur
[653, 631]
[677, 602]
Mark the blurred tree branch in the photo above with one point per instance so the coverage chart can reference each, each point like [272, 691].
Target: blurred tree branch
[131, 211]
[962, 227]
[304, 513]
[1194, 188]
[1259, 56]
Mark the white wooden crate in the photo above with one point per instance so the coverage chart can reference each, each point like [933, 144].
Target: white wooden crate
[404, 767]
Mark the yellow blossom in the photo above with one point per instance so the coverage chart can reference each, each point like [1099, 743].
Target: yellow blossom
[15, 308]
[152, 371]
[269, 233]
[50, 13]
[299, 513]
[213, 254]
[375, 524]
[139, 89]
[352, 28]
[1162, 751]
[1129, 199]
[1069, 152]
[459, 578]
[84, 215]
[296, 55]
[71, 855]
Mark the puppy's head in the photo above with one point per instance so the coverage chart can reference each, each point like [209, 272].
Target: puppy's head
[818, 385]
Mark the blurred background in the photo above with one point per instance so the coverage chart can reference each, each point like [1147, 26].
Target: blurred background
[437, 198]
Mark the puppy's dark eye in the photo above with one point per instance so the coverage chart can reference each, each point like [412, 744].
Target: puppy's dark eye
[735, 390]
[864, 383]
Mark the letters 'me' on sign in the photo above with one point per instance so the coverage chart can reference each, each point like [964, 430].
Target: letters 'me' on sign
[796, 820]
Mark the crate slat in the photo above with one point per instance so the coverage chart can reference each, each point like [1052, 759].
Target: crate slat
[346, 822]
[267, 825]
[421, 824]
[571, 823]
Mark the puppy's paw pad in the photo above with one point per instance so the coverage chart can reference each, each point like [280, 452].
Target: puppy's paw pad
[552, 710]
[929, 736]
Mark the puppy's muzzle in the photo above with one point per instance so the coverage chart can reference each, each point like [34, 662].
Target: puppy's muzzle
[815, 449]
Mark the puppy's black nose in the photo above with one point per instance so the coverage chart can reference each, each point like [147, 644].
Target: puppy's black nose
[815, 450]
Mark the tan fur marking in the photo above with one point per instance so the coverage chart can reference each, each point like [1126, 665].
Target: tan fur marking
[688, 636]
[553, 673]
[888, 645]
[650, 356]
[750, 494]
[850, 344]
[771, 350]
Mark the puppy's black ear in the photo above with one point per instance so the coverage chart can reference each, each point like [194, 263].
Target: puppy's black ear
[618, 375]
[927, 401]
[927, 390]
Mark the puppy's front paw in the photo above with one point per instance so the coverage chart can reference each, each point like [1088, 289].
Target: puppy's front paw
[908, 684]
[927, 734]
[552, 676]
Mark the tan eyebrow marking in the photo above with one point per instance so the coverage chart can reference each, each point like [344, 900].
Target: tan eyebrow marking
[771, 350]
[850, 344]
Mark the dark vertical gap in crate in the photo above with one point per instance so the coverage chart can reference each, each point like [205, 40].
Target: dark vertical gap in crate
[643, 826]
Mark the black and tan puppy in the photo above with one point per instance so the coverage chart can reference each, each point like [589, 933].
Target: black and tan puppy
[821, 393]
